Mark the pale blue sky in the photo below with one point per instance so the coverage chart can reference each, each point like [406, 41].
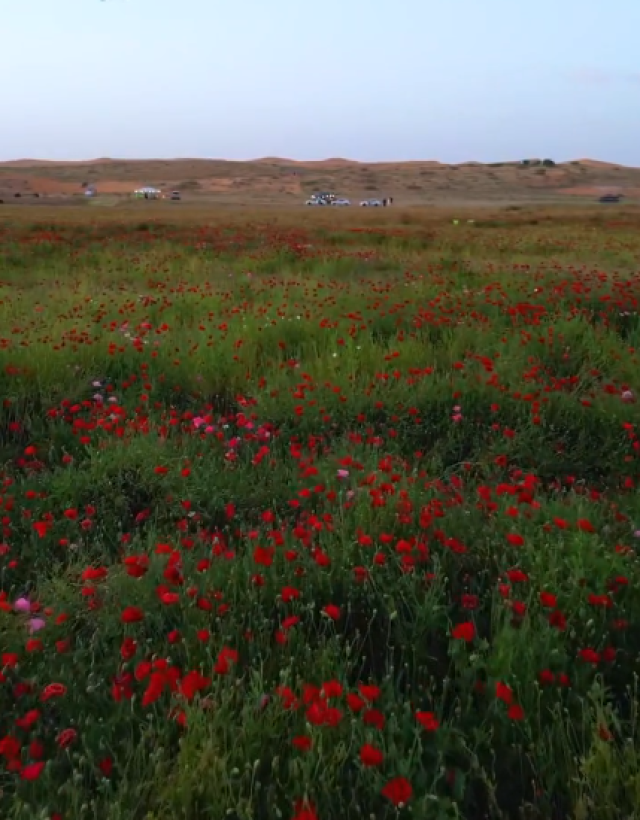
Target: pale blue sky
[452, 80]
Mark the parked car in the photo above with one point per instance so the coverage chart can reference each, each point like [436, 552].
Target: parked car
[327, 197]
[175, 196]
[341, 202]
[321, 198]
[371, 203]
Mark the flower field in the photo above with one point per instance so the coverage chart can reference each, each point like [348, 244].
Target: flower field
[319, 517]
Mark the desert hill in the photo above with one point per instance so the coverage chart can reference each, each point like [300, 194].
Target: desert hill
[281, 180]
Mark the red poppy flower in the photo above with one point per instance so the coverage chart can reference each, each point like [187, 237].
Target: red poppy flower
[131, 615]
[370, 756]
[32, 771]
[369, 692]
[428, 721]
[303, 810]
[53, 690]
[332, 611]
[464, 632]
[66, 738]
[398, 791]
[547, 599]
[516, 712]
[106, 766]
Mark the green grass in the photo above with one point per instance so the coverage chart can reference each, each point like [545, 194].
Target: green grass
[319, 515]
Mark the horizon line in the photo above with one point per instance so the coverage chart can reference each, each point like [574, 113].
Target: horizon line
[345, 160]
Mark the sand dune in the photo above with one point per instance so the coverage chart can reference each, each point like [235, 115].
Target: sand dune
[288, 180]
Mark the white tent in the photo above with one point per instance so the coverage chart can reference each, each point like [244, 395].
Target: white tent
[148, 193]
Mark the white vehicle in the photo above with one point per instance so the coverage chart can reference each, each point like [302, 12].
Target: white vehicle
[341, 202]
[371, 203]
[321, 198]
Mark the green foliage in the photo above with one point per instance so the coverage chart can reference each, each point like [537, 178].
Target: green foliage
[305, 509]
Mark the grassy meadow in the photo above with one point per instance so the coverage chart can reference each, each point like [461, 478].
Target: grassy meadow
[319, 516]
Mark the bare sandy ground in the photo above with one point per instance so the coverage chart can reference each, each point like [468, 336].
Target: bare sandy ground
[286, 181]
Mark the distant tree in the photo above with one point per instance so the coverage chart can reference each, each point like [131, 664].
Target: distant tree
[548, 163]
[526, 162]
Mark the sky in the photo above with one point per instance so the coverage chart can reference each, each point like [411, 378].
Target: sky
[454, 80]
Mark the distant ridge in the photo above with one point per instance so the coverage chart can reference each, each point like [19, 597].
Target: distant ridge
[328, 162]
[290, 181]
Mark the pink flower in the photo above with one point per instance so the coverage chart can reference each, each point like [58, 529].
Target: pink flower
[22, 605]
[343, 473]
[198, 422]
[36, 624]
